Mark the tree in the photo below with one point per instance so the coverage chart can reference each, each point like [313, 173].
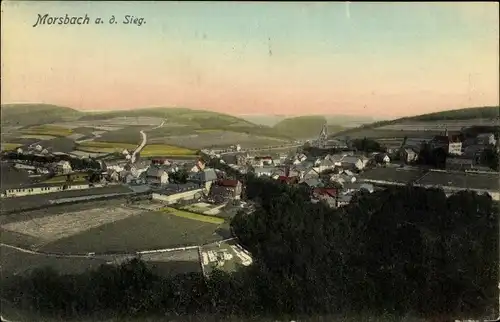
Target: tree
[489, 157]
[179, 177]
[400, 250]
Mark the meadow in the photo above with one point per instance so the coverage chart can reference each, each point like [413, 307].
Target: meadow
[9, 146]
[37, 136]
[193, 216]
[144, 231]
[149, 150]
[51, 130]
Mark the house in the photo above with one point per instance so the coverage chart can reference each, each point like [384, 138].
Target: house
[353, 163]
[224, 190]
[351, 187]
[19, 151]
[328, 195]
[42, 188]
[381, 158]
[310, 173]
[63, 167]
[460, 163]
[205, 178]
[156, 175]
[264, 171]
[173, 193]
[472, 151]
[132, 169]
[235, 158]
[312, 182]
[125, 152]
[343, 200]
[263, 161]
[114, 176]
[408, 155]
[486, 139]
[325, 164]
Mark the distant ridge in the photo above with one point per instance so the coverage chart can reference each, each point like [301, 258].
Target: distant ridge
[471, 113]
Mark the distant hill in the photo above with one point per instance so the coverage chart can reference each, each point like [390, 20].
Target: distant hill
[336, 119]
[472, 113]
[184, 116]
[35, 114]
[263, 119]
[304, 127]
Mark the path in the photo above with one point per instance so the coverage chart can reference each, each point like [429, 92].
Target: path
[143, 143]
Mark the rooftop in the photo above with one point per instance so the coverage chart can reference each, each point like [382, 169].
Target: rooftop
[173, 188]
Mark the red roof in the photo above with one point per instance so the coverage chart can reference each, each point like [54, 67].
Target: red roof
[326, 191]
[227, 183]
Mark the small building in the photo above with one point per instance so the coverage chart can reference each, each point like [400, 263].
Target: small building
[382, 158]
[234, 158]
[224, 190]
[19, 151]
[353, 163]
[408, 155]
[63, 167]
[325, 164]
[173, 193]
[156, 175]
[264, 171]
[486, 139]
[198, 166]
[455, 148]
[205, 178]
[41, 188]
[262, 161]
[328, 195]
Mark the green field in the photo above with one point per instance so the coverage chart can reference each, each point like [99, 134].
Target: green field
[9, 146]
[47, 129]
[193, 216]
[149, 150]
[148, 230]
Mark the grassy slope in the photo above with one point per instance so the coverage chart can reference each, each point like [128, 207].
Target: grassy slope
[36, 114]
[487, 112]
[176, 115]
[304, 127]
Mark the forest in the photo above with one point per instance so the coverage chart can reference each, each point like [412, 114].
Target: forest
[403, 250]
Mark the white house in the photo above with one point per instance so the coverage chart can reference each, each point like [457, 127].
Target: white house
[408, 155]
[156, 175]
[19, 151]
[264, 171]
[63, 167]
[353, 163]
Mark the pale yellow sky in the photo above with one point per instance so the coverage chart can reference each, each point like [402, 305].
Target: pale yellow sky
[377, 59]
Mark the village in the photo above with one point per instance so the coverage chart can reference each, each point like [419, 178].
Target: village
[334, 176]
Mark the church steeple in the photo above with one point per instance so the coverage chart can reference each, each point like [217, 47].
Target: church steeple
[323, 136]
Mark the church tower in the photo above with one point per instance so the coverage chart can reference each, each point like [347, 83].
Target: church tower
[323, 136]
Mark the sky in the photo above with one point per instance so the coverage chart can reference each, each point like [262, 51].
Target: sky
[374, 59]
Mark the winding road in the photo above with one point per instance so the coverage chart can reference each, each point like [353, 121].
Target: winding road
[143, 143]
